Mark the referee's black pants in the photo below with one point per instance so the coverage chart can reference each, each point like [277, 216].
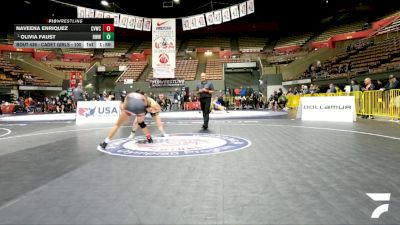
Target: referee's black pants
[205, 104]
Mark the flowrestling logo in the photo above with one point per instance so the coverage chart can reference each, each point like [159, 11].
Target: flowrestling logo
[176, 145]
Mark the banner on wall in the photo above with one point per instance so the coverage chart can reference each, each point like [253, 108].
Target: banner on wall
[97, 112]
[167, 83]
[163, 43]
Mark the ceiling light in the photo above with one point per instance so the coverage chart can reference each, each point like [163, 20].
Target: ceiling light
[104, 3]
[177, 1]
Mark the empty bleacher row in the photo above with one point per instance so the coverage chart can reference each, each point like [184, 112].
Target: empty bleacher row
[119, 50]
[299, 40]
[351, 27]
[209, 42]
[12, 74]
[133, 69]
[252, 44]
[369, 58]
[60, 65]
[393, 27]
[215, 67]
[185, 69]
[81, 51]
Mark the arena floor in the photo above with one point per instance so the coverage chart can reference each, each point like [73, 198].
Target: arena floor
[292, 172]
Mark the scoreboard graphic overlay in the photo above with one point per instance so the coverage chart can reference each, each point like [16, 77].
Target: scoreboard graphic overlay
[66, 33]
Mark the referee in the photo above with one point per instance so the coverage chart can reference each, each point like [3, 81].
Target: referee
[205, 90]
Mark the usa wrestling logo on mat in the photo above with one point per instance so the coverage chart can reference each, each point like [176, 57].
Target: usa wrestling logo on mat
[176, 145]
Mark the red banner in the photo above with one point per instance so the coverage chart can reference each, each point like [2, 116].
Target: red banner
[75, 76]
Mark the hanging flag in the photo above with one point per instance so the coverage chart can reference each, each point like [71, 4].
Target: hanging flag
[147, 24]
[89, 13]
[123, 20]
[116, 19]
[108, 15]
[139, 23]
[185, 24]
[193, 22]
[131, 22]
[217, 17]
[250, 6]
[99, 14]
[210, 18]
[234, 12]
[201, 22]
[81, 12]
[226, 15]
[243, 9]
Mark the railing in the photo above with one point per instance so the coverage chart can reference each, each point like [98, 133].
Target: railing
[368, 103]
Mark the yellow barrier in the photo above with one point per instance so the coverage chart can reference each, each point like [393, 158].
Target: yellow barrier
[368, 103]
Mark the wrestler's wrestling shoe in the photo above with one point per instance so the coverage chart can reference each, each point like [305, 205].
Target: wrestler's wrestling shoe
[103, 145]
[149, 139]
[165, 135]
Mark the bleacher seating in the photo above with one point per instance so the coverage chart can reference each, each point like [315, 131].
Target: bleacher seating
[185, 70]
[60, 65]
[252, 44]
[81, 51]
[392, 27]
[366, 58]
[299, 40]
[351, 27]
[119, 50]
[13, 72]
[209, 42]
[133, 71]
[214, 67]
[143, 46]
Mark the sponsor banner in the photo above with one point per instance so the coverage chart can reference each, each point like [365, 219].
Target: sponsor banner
[217, 17]
[81, 12]
[123, 20]
[226, 15]
[185, 24]
[250, 6]
[139, 23]
[333, 109]
[234, 12]
[99, 14]
[147, 24]
[210, 18]
[242, 9]
[167, 83]
[39, 88]
[89, 13]
[131, 22]
[163, 43]
[97, 112]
